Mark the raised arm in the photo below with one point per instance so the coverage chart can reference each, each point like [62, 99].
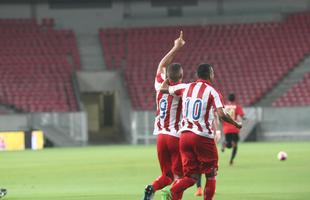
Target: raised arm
[226, 117]
[168, 58]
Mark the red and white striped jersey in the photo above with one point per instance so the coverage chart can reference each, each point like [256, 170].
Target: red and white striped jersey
[200, 100]
[168, 112]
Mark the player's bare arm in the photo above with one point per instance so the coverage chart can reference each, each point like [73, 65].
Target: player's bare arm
[168, 58]
[215, 124]
[226, 117]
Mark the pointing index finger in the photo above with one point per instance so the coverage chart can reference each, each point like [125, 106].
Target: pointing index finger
[181, 34]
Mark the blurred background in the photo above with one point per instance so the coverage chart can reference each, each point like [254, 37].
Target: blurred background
[79, 72]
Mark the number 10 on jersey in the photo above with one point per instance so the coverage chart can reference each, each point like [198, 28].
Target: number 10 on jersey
[193, 108]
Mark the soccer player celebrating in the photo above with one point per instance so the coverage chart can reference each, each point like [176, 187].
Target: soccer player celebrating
[197, 144]
[231, 132]
[2, 192]
[167, 122]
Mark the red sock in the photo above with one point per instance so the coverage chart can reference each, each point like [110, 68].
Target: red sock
[210, 188]
[161, 182]
[179, 186]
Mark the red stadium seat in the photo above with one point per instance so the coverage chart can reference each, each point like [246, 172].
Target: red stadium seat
[34, 66]
[249, 59]
[298, 95]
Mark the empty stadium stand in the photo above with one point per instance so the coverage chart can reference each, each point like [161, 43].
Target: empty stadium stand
[298, 95]
[249, 59]
[36, 64]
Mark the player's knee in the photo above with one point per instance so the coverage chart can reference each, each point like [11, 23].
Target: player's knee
[234, 144]
[177, 176]
[170, 176]
[194, 176]
[211, 174]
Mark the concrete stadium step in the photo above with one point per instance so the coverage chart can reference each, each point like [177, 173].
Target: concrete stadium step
[90, 52]
[58, 138]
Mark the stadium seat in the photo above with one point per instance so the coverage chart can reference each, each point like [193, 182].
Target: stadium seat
[298, 95]
[36, 63]
[249, 59]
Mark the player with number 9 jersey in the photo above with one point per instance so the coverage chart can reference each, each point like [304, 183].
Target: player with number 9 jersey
[168, 112]
[167, 122]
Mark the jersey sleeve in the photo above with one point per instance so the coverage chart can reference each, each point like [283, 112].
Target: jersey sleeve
[218, 99]
[159, 79]
[178, 89]
[239, 111]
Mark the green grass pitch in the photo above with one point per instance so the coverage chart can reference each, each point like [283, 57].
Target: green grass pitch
[121, 172]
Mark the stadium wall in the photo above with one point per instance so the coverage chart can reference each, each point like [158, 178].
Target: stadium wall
[13, 122]
[126, 14]
[284, 124]
[110, 81]
[62, 129]
[21, 10]
[262, 124]
[143, 124]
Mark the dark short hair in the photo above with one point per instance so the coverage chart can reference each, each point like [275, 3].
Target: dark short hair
[204, 71]
[174, 72]
[231, 97]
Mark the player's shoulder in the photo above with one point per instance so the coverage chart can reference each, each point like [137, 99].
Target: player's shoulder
[234, 103]
[180, 85]
[231, 105]
[214, 90]
[160, 77]
[177, 89]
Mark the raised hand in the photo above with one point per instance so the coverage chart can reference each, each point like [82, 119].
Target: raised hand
[168, 58]
[179, 42]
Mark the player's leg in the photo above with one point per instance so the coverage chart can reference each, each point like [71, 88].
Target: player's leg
[164, 158]
[190, 166]
[228, 140]
[166, 177]
[234, 145]
[210, 187]
[208, 157]
[181, 185]
[176, 164]
[2, 192]
[224, 143]
[198, 184]
[175, 156]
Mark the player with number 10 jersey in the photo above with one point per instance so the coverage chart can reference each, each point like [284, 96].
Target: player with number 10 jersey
[197, 145]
